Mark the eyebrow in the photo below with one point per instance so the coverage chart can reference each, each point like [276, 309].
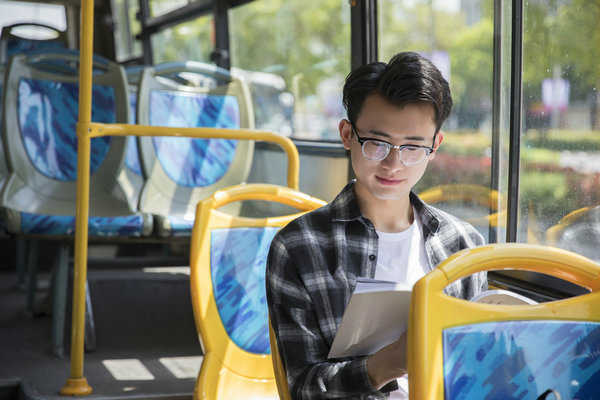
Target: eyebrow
[388, 136]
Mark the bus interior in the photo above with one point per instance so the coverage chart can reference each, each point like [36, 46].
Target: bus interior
[520, 159]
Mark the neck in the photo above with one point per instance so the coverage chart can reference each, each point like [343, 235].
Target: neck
[386, 215]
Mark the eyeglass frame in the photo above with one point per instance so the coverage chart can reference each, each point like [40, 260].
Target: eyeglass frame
[390, 146]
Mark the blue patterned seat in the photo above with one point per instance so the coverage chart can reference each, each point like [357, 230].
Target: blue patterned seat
[522, 360]
[476, 351]
[40, 119]
[180, 172]
[227, 280]
[40, 113]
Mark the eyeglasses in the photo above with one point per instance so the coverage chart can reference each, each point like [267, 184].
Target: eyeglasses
[376, 150]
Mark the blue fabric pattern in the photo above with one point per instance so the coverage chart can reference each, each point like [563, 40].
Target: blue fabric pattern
[133, 106]
[238, 262]
[20, 45]
[48, 113]
[521, 360]
[121, 226]
[132, 157]
[180, 227]
[194, 162]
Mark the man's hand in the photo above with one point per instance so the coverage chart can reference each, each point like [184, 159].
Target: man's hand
[389, 363]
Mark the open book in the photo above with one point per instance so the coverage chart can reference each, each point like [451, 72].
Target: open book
[377, 315]
[503, 297]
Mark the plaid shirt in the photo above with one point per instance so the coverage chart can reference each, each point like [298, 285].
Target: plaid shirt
[312, 267]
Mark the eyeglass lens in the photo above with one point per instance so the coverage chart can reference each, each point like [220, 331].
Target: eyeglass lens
[377, 151]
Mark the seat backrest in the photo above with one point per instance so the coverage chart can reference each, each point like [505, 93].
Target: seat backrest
[39, 131]
[227, 279]
[578, 231]
[132, 156]
[465, 350]
[19, 38]
[182, 171]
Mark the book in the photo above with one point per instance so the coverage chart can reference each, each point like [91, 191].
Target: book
[376, 316]
[502, 297]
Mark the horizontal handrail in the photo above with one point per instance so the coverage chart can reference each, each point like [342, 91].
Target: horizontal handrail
[94, 129]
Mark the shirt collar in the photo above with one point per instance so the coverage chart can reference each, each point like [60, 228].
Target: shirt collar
[345, 208]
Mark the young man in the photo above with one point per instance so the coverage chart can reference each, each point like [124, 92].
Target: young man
[375, 228]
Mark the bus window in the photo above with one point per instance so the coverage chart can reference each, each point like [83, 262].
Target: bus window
[458, 38]
[13, 12]
[127, 27]
[161, 7]
[308, 45]
[560, 138]
[189, 41]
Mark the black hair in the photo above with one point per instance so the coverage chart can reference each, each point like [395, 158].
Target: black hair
[408, 78]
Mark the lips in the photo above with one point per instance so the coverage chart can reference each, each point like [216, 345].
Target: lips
[389, 181]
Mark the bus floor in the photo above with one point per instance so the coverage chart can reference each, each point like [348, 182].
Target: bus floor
[146, 342]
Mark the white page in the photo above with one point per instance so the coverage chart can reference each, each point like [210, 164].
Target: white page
[501, 296]
[377, 315]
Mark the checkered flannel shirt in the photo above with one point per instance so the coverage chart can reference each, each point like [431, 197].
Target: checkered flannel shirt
[312, 267]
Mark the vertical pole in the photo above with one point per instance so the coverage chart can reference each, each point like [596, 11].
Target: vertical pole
[221, 54]
[77, 384]
[515, 121]
[496, 114]
[363, 32]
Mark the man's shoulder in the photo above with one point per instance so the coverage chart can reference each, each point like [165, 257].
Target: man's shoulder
[313, 221]
[451, 225]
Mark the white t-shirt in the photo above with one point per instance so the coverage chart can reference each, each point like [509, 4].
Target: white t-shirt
[402, 258]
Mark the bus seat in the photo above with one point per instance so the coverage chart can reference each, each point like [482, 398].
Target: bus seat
[40, 111]
[182, 171]
[464, 350]
[40, 115]
[468, 201]
[29, 36]
[578, 231]
[132, 156]
[227, 281]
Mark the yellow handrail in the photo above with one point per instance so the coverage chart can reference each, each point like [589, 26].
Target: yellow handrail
[77, 384]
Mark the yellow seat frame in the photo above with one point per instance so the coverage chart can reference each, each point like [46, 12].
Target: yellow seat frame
[229, 372]
[432, 311]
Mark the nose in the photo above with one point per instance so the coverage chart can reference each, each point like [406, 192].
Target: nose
[393, 161]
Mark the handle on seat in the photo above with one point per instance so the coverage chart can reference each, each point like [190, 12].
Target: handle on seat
[42, 56]
[267, 192]
[556, 262]
[209, 70]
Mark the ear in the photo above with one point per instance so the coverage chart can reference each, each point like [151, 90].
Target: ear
[439, 138]
[345, 129]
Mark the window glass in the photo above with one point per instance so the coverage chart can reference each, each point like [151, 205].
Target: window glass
[560, 144]
[128, 27]
[298, 55]
[46, 14]
[190, 41]
[458, 37]
[160, 7]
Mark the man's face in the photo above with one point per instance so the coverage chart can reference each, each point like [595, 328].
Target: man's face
[390, 178]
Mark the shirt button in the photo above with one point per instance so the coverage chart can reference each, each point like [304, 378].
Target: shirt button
[372, 257]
